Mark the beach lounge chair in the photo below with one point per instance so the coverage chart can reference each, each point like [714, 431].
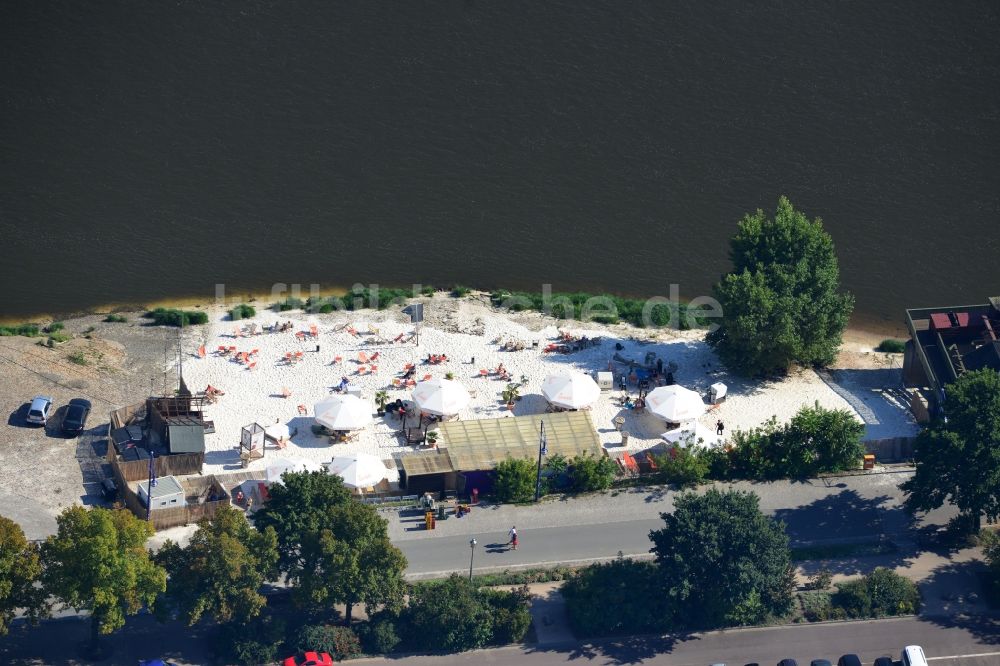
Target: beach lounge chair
[373, 357]
[303, 410]
[286, 392]
[314, 330]
[254, 352]
[232, 349]
[222, 350]
[411, 383]
[397, 382]
[237, 333]
[372, 330]
[251, 366]
[352, 331]
[426, 378]
[201, 351]
[374, 368]
[244, 357]
[362, 370]
[398, 337]
[300, 335]
[362, 357]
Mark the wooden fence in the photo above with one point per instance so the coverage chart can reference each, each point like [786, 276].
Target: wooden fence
[198, 506]
[175, 464]
[891, 449]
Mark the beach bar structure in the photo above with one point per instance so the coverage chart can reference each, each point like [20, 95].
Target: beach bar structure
[469, 451]
[947, 342]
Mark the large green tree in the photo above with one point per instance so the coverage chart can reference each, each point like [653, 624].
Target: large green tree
[97, 561]
[333, 549]
[355, 562]
[515, 480]
[722, 561]
[958, 457]
[20, 569]
[220, 572]
[449, 616]
[781, 303]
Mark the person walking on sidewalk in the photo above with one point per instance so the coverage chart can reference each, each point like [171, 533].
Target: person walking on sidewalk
[513, 537]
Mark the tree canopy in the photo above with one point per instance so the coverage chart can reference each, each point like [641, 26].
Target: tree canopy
[515, 480]
[333, 549]
[97, 561]
[220, 572]
[20, 568]
[958, 458]
[722, 561]
[781, 302]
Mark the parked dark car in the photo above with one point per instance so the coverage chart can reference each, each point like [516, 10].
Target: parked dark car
[849, 660]
[109, 491]
[787, 662]
[75, 419]
[820, 662]
[884, 661]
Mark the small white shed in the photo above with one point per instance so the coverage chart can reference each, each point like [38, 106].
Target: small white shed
[167, 493]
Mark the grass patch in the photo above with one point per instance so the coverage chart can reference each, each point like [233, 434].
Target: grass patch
[54, 327]
[458, 291]
[601, 308]
[427, 290]
[242, 311]
[890, 346]
[57, 337]
[26, 330]
[173, 317]
[116, 319]
[521, 577]
[79, 358]
[842, 551]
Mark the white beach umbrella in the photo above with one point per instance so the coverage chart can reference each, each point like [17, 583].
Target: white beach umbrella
[358, 470]
[441, 397]
[343, 412]
[692, 433]
[279, 466]
[572, 390]
[675, 404]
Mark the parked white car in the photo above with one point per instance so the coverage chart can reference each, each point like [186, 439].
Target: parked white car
[38, 412]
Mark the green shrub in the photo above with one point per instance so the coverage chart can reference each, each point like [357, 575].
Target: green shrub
[116, 319]
[881, 593]
[379, 635]
[54, 327]
[684, 467]
[816, 605]
[339, 642]
[570, 306]
[59, 336]
[289, 303]
[589, 473]
[515, 480]
[616, 597]
[79, 358]
[449, 616]
[458, 291]
[890, 346]
[511, 617]
[26, 330]
[174, 317]
[242, 311]
[427, 290]
[254, 643]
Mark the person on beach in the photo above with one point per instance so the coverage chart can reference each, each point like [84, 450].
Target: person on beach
[719, 427]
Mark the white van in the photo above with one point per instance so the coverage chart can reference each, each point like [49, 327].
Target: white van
[913, 655]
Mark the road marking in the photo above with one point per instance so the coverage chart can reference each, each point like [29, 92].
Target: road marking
[966, 656]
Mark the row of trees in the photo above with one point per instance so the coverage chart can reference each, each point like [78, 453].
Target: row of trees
[311, 535]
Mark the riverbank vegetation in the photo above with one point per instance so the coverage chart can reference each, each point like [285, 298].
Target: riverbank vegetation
[177, 318]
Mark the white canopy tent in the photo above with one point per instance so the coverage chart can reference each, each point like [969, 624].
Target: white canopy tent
[343, 412]
[693, 433]
[440, 397]
[675, 404]
[358, 470]
[278, 466]
[570, 390]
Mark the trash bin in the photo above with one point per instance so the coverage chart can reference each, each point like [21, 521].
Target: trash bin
[625, 436]
[441, 515]
[429, 520]
[869, 461]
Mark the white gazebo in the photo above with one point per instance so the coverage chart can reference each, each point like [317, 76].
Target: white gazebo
[343, 412]
[440, 397]
[570, 390]
[358, 470]
[675, 404]
[693, 433]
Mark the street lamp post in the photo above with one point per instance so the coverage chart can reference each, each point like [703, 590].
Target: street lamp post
[542, 450]
[472, 556]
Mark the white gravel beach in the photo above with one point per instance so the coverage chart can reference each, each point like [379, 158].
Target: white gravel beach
[469, 333]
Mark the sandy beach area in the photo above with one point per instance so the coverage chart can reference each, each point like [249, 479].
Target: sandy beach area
[470, 333]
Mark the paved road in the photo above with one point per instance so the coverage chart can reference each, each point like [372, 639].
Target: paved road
[946, 645]
[537, 547]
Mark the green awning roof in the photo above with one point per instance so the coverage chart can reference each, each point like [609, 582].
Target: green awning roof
[481, 444]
